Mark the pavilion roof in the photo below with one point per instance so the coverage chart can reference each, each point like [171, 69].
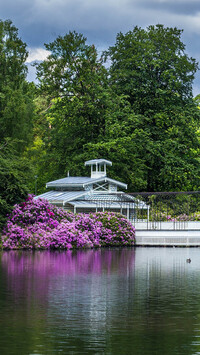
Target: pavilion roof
[82, 182]
[61, 196]
[98, 161]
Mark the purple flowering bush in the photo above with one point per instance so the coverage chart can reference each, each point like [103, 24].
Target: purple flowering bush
[36, 224]
[116, 230]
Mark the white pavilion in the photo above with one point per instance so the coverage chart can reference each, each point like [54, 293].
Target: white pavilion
[91, 194]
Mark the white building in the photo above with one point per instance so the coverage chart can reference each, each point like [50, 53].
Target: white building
[92, 194]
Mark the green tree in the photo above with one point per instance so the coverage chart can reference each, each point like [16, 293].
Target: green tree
[128, 144]
[151, 68]
[16, 95]
[75, 81]
[139, 113]
[16, 114]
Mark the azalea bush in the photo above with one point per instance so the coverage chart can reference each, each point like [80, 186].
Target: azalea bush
[115, 228]
[36, 224]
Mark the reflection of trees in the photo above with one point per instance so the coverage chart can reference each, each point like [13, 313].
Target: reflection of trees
[169, 297]
[99, 292]
[49, 292]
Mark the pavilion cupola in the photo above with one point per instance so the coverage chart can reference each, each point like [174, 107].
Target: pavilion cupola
[98, 167]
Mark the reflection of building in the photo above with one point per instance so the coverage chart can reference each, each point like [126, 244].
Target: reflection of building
[91, 194]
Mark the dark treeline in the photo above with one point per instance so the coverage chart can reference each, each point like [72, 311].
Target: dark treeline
[132, 105]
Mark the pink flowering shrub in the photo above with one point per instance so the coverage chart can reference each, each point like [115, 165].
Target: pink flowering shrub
[36, 224]
[116, 230]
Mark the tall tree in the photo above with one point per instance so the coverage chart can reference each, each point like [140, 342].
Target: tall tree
[75, 81]
[150, 66]
[16, 107]
[139, 113]
[16, 113]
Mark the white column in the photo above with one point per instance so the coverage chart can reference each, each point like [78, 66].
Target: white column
[148, 213]
[128, 213]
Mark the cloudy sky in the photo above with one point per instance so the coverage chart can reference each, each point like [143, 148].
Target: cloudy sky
[41, 21]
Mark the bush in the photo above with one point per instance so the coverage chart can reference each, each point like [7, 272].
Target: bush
[36, 224]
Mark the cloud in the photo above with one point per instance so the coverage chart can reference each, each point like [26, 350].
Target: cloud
[37, 54]
[42, 21]
[172, 6]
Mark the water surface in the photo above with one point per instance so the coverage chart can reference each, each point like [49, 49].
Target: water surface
[109, 301]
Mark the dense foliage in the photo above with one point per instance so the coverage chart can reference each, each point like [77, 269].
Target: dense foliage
[15, 172]
[151, 67]
[75, 82]
[16, 96]
[139, 112]
[36, 224]
[16, 119]
[158, 135]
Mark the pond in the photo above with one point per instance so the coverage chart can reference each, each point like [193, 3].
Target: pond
[109, 301]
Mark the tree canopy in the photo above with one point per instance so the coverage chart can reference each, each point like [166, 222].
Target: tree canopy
[16, 114]
[152, 68]
[138, 111]
[15, 92]
[76, 83]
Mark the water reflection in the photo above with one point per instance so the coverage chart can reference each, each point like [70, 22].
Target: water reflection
[109, 301]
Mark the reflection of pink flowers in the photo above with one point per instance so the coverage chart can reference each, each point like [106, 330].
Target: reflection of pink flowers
[33, 273]
[47, 264]
[36, 224]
